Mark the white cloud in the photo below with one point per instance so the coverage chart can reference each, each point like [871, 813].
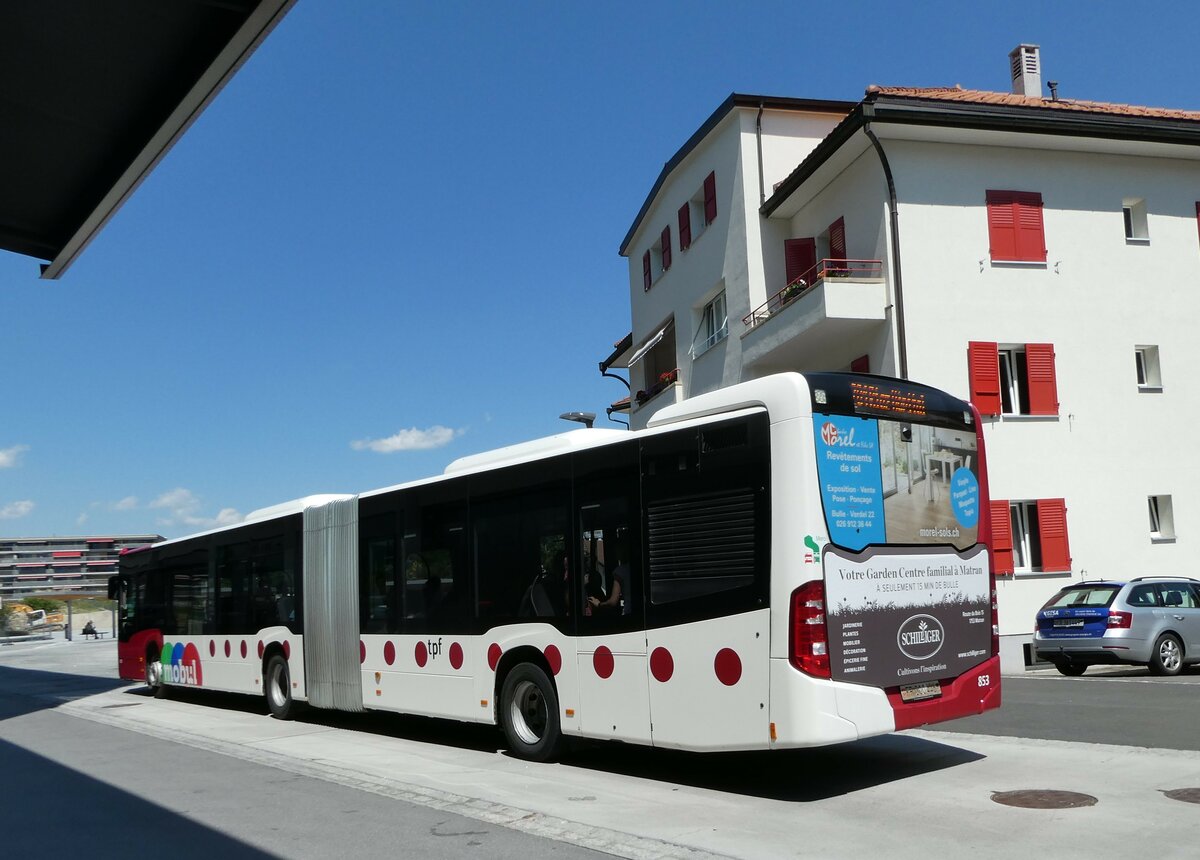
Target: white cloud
[81, 519]
[15, 510]
[10, 456]
[126, 504]
[183, 508]
[411, 439]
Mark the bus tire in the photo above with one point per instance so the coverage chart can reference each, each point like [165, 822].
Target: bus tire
[154, 681]
[277, 687]
[529, 714]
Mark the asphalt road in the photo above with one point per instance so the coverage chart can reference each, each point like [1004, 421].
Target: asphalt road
[123, 774]
[1108, 705]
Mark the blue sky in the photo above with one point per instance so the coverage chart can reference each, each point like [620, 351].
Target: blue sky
[392, 240]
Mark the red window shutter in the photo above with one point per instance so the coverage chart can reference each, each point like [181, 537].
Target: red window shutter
[800, 258]
[1052, 523]
[646, 279]
[1031, 232]
[1015, 228]
[1043, 386]
[710, 198]
[837, 239]
[666, 247]
[1002, 225]
[862, 364]
[685, 226]
[1002, 548]
[983, 368]
[1198, 215]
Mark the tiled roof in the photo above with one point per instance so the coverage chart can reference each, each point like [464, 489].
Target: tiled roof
[958, 94]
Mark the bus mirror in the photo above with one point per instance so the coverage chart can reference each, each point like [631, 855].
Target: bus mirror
[905, 432]
[114, 586]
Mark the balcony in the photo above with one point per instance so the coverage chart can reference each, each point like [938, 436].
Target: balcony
[817, 317]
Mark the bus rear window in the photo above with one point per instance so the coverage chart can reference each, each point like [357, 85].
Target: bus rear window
[897, 482]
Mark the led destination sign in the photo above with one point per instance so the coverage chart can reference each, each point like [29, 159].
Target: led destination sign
[872, 399]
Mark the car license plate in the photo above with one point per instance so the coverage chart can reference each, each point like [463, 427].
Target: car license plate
[916, 692]
[1068, 622]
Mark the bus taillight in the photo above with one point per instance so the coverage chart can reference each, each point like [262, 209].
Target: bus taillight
[809, 650]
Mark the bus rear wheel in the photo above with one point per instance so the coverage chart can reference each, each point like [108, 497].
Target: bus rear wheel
[529, 714]
[277, 687]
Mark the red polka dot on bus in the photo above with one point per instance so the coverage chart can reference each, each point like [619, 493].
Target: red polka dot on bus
[554, 658]
[212, 648]
[260, 648]
[362, 651]
[287, 650]
[228, 649]
[603, 662]
[662, 665]
[422, 654]
[728, 667]
[244, 649]
[494, 654]
[389, 653]
[456, 655]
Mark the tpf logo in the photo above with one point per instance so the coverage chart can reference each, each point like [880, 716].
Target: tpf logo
[829, 433]
[920, 637]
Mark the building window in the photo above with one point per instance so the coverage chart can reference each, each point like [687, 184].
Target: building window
[1149, 376]
[714, 325]
[658, 363]
[1013, 379]
[1162, 519]
[698, 212]
[685, 226]
[1030, 536]
[664, 248]
[1015, 229]
[1137, 230]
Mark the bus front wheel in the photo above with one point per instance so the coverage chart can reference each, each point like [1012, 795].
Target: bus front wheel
[154, 679]
[278, 688]
[529, 714]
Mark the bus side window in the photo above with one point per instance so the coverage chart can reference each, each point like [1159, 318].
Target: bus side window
[436, 579]
[521, 560]
[377, 574]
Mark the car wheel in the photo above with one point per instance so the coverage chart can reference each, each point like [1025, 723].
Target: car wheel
[1168, 656]
[1073, 670]
[278, 688]
[154, 678]
[529, 713]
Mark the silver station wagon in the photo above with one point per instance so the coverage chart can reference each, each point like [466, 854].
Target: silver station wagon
[1149, 621]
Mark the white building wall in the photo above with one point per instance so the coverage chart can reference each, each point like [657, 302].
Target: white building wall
[726, 256]
[1111, 446]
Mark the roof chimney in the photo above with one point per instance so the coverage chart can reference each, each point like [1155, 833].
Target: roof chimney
[1026, 62]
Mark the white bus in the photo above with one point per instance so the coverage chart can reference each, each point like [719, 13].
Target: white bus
[793, 561]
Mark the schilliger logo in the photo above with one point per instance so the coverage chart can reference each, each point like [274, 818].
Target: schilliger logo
[181, 664]
[920, 637]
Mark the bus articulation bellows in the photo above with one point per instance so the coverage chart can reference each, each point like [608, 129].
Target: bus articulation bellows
[792, 561]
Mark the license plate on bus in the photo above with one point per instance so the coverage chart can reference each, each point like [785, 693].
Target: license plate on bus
[917, 692]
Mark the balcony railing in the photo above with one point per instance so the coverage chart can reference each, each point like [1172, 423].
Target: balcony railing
[859, 270]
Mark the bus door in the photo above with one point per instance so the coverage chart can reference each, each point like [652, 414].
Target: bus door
[607, 599]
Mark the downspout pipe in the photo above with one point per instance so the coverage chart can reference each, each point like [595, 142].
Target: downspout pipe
[894, 218]
[762, 183]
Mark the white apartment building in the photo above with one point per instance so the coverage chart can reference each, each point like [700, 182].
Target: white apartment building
[1038, 255]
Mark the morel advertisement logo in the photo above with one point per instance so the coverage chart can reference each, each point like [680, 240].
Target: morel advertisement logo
[920, 637]
[829, 433]
[181, 664]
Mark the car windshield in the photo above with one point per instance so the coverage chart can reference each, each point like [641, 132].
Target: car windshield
[1084, 595]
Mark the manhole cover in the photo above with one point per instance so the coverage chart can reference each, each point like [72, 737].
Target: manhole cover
[1041, 798]
[1187, 795]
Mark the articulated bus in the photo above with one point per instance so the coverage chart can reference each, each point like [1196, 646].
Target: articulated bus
[792, 561]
